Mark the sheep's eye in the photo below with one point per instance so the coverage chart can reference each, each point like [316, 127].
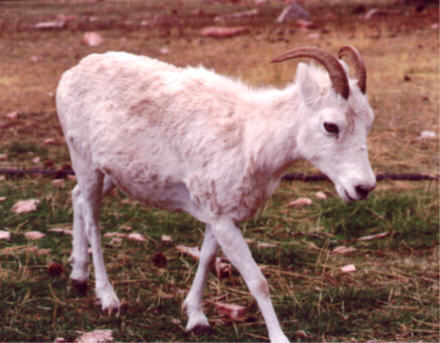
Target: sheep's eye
[331, 128]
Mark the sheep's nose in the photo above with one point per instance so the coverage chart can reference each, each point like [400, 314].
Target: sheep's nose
[364, 190]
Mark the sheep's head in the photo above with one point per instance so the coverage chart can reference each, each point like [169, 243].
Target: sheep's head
[336, 120]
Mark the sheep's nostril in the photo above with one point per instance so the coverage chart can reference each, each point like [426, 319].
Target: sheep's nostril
[363, 190]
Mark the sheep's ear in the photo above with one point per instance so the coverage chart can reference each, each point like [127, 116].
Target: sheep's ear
[308, 85]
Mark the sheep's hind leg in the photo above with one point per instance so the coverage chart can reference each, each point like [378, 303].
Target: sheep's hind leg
[79, 258]
[193, 305]
[91, 184]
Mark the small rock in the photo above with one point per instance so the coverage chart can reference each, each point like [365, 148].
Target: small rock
[166, 239]
[262, 245]
[301, 334]
[51, 25]
[238, 15]
[231, 311]
[300, 202]
[223, 32]
[349, 268]
[321, 195]
[5, 235]
[115, 241]
[34, 235]
[2, 199]
[96, 336]
[24, 206]
[92, 39]
[313, 36]
[115, 234]
[194, 252]
[137, 237]
[222, 269]
[34, 59]
[427, 135]
[306, 24]
[165, 50]
[58, 182]
[343, 250]
[12, 115]
[50, 141]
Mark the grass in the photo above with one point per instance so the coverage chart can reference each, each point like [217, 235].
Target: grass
[392, 295]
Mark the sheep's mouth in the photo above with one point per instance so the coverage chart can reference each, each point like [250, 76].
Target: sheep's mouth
[351, 199]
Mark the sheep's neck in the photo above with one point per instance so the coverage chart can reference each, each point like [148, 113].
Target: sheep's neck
[272, 132]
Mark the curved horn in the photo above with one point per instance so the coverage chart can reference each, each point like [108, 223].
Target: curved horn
[330, 62]
[359, 65]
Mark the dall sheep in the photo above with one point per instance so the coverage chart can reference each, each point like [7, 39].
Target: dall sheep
[188, 139]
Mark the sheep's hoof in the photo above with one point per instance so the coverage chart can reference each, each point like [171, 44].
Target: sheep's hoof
[202, 330]
[80, 286]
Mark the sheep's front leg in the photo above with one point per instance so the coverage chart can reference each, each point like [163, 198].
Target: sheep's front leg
[193, 302]
[237, 251]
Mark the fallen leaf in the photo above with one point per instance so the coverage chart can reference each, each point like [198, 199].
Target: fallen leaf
[5, 235]
[2, 199]
[96, 336]
[300, 202]
[36, 160]
[231, 311]
[92, 39]
[116, 241]
[34, 235]
[24, 206]
[193, 252]
[343, 250]
[349, 268]
[137, 237]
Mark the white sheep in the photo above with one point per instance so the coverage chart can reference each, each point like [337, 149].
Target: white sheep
[188, 139]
